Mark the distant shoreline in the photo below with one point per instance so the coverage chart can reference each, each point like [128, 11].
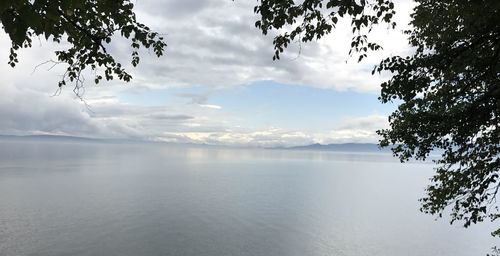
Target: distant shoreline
[340, 147]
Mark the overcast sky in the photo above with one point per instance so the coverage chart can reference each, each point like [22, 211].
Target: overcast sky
[217, 84]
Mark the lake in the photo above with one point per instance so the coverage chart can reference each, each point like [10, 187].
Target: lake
[83, 198]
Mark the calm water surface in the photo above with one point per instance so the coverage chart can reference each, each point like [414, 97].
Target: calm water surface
[109, 199]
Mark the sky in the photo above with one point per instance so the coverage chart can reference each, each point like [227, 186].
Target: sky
[217, 84]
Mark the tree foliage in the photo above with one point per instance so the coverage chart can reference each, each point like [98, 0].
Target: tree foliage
[449, 89]
[87, 26]
[312, 19]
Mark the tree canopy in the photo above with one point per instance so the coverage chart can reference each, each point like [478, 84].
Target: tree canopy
[87, 26]
[449, 88]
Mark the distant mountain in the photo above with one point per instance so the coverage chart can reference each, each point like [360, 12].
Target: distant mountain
[48, 138]
[62, 138]
[344, 147]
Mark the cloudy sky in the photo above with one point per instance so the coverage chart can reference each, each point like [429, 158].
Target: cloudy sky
[217, 84]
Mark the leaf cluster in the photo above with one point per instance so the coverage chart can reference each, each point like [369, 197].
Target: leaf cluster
[313, 19]
[87, 26]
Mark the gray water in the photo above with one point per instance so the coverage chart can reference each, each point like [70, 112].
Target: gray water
[121, 199]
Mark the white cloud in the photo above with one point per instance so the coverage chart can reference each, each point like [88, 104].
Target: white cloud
[356, 129]
[210, 106]
[216, 44]
[211, 43]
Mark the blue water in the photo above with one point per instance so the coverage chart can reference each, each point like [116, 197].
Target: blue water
[63, 198]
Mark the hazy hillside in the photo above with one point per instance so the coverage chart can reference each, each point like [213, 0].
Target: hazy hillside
[345, 147]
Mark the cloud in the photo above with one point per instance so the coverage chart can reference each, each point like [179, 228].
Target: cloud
[356, 129]
[372, 122]
[26, 111]
[213, 45]
[110, 118]
[210, 106]
[162, 116]
[195, 98]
